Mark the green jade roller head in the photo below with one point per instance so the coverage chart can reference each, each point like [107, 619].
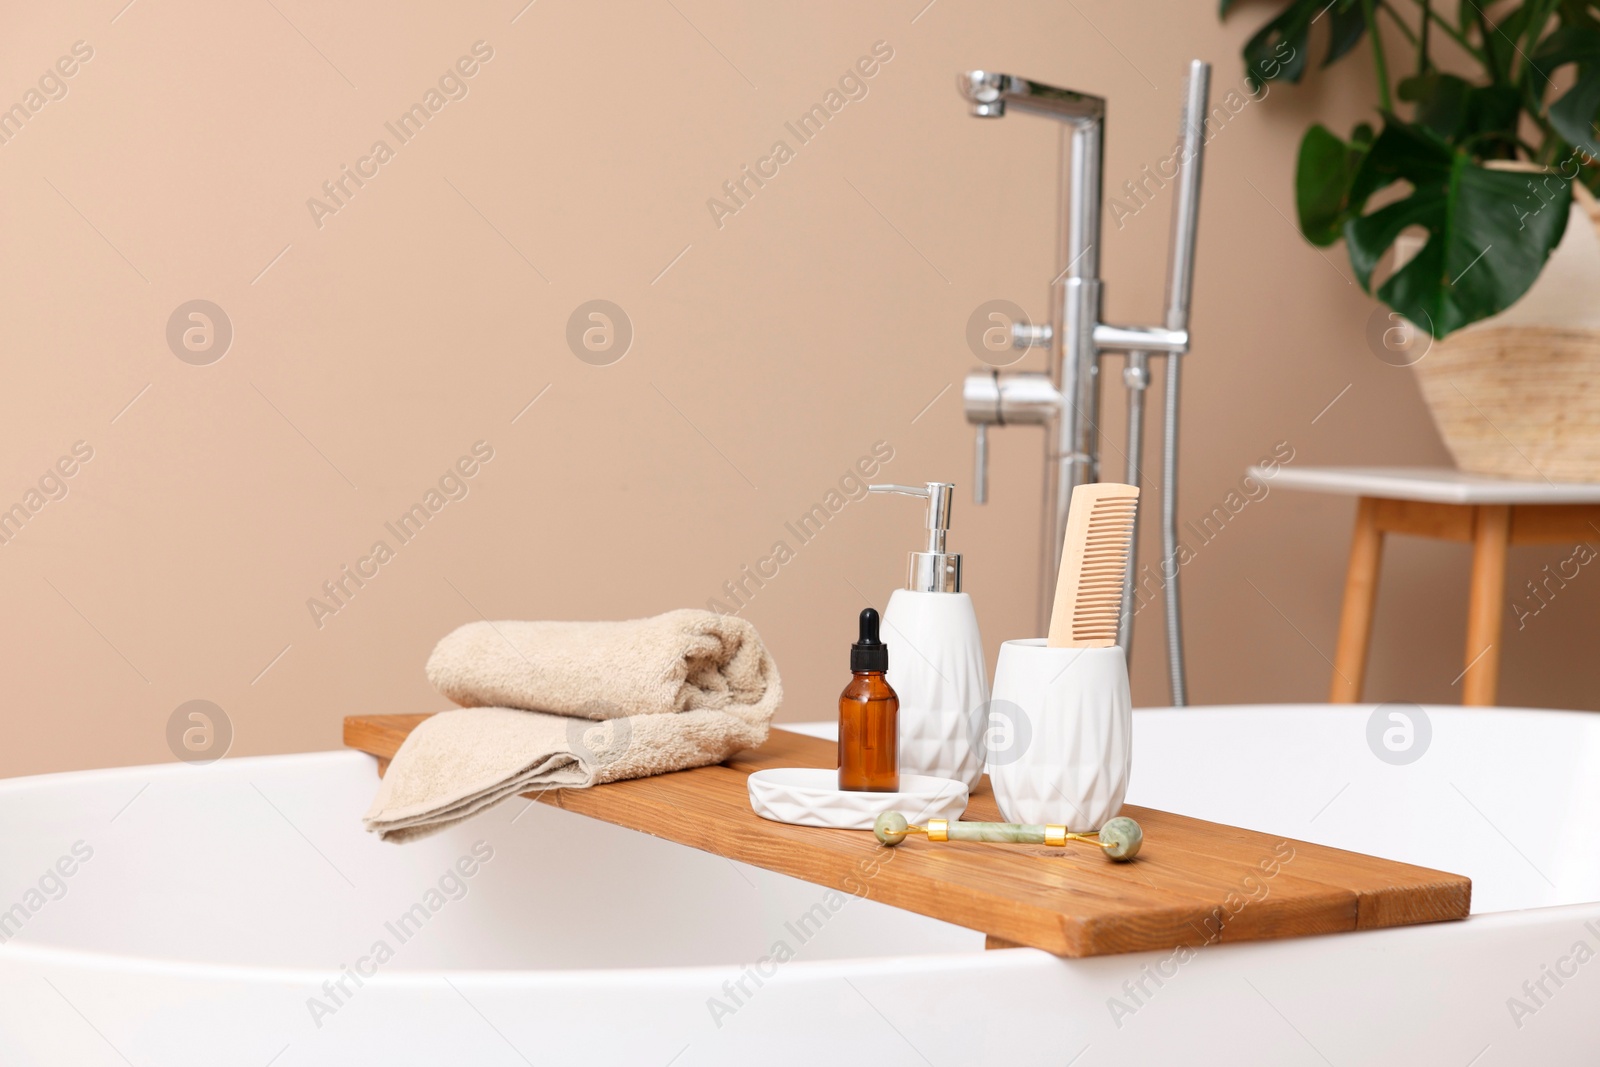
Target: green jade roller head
[1120, 838]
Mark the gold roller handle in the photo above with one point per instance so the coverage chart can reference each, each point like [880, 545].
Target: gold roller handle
[1120, 839]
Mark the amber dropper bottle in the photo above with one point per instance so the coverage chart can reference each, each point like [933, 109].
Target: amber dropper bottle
[869, 717]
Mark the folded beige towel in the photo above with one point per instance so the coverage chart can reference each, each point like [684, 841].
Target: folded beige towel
[684, 689]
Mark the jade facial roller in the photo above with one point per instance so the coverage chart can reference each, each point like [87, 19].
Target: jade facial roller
[1120, 838]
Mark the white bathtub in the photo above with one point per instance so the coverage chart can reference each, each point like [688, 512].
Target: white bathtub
[215, 903]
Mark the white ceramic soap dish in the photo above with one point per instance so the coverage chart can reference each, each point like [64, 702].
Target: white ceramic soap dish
[809, 796]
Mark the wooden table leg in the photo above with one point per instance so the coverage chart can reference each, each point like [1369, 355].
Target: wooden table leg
[1491, 534]
[1360, 594]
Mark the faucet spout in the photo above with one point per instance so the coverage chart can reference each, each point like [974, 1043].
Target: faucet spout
[990, 94]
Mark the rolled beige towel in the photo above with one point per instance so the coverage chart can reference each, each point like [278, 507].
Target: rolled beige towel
[575, 704]
[684, 660]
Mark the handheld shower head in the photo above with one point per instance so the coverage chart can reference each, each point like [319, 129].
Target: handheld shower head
[990, 93]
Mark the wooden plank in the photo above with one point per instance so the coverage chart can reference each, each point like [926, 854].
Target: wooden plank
[1555, 524]
[1422, 518]
[1194, 883]
[1437, 895]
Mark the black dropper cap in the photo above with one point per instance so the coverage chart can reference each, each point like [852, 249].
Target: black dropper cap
[869, 653]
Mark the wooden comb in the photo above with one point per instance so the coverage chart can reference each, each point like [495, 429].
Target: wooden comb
[1094, 559]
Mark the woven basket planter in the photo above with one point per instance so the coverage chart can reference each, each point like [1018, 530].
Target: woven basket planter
[1518, 401]
[1518, 395]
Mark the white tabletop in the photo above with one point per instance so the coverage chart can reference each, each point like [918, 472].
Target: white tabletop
[1436, 485]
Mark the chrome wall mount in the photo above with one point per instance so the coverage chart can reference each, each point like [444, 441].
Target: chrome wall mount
[1065, 400]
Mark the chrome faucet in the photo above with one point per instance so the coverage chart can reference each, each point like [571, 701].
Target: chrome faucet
[1066, 399]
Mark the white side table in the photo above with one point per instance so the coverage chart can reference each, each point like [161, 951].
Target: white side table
[1490, 513]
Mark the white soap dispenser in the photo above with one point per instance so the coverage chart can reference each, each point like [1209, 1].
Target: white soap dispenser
[938, 668]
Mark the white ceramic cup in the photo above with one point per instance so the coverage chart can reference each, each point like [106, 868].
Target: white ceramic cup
[1060, 734]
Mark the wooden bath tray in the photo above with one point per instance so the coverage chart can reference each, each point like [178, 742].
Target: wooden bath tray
[1194, 882]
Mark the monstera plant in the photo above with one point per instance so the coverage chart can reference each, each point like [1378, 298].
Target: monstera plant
[1483, 123]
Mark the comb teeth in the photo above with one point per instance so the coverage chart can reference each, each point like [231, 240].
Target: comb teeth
[1094, 560]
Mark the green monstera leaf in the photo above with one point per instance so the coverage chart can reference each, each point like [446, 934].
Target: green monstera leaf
[1574, 114]
[1323, 177]
[1461, 113]
[1447, 171]
[1279, 48]
[1488, 238]
[1347, 25]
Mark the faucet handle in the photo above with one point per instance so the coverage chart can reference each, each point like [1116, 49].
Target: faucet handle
[1031, 334]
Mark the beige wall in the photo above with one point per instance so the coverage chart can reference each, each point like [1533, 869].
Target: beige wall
[431, 308]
